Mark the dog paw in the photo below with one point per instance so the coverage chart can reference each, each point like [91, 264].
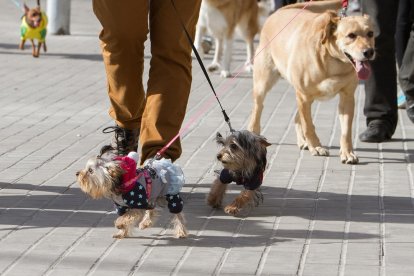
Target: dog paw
[225, 74]
[145, 224]
[120, 235]
[349, 158]
[231, 210]
[319, 151]
[213, 203]
[181, 233]
[213, 67]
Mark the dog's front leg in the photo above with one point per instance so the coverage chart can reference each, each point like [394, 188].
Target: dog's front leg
[148, 219]
[216, 195]
[346, 114]
[126, 222]
[39, 45]
[21, 45]
[308, 128]
[33, 48]
[244, 198]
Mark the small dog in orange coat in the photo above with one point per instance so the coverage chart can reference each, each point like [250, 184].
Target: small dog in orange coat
[243, 157]
[33, 26]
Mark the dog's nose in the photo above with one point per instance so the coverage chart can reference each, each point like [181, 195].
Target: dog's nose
[219, 156]
[77, 173]
[368, 53]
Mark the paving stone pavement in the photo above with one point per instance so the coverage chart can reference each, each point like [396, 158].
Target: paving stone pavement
[319, 217]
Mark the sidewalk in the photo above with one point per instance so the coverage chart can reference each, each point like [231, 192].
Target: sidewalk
[319, 217]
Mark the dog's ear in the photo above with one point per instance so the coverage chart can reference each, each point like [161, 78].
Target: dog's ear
[263, 141]
[219, 139]
[325, 25]
[25, 8]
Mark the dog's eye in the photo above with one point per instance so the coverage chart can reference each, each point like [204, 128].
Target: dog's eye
[351, 35]
[370, 34]
[90, 171]
[233, 146]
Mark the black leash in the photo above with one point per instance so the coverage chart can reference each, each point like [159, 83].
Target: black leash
[226, 118]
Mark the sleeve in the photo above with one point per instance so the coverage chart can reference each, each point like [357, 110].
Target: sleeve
[225, 176]
[175, 203]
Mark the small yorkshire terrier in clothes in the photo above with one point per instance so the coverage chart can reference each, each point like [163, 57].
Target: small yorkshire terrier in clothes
[243, 156]
[33, 26]
[135, 191]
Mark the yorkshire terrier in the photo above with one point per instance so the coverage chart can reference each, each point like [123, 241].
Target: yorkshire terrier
[135, 191]
[33, 26]
[243, 156]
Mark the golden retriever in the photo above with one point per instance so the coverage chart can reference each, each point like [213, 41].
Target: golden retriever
[221, 18]
[320, 55]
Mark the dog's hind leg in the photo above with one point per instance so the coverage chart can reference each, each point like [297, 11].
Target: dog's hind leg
[215, 64]
[264, 77]
[227, 52]
[179, 226]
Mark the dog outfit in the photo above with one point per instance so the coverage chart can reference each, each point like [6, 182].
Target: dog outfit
[141, 187]
[39, 33]
[249, 183]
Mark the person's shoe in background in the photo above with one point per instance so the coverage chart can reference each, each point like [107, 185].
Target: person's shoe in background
[410, 110]
[124, 140]
[377, 131]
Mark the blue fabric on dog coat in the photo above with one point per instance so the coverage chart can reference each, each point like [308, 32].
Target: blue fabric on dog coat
[251, 183]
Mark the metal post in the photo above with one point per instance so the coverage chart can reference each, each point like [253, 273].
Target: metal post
[58, 12]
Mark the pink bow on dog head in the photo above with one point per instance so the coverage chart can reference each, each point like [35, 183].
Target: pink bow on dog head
[129, 165]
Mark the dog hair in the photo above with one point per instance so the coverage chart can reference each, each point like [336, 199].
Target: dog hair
[34, 26]
[135, 192]
[243, 156]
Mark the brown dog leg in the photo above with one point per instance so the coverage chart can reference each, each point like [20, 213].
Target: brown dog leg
[21, 45]
[215, 197]
[126, 222]
[244, 198]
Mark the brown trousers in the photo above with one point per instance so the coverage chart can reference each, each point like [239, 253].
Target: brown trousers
[160, 112]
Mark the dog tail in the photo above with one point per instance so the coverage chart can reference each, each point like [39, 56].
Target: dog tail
[316, 6]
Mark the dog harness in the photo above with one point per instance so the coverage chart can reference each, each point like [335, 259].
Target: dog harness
[251, 183]
[39, 33]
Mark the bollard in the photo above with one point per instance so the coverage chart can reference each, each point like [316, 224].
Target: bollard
[58, 12]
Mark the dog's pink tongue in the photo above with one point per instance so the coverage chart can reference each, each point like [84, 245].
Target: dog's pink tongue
[363, 69]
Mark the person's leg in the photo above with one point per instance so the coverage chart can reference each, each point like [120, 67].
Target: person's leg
[402, 31]
[381, 88]
[170, 78]
[406, 76]
[125, 29]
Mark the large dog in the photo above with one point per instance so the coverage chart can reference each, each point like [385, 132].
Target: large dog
[321, 55]
[221, 18]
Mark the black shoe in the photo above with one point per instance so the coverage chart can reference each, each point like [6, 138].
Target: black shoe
[124, 140]
[410, 112]
[377, 131]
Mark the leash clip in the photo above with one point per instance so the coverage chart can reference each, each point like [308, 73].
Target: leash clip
[342, 12]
